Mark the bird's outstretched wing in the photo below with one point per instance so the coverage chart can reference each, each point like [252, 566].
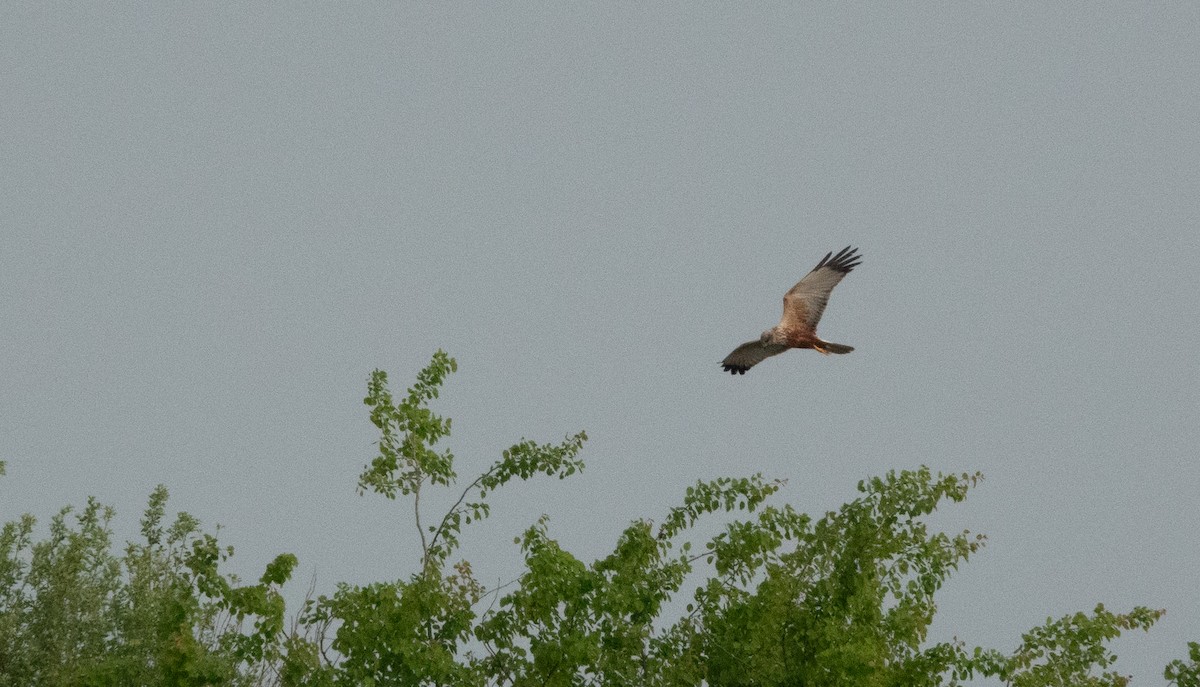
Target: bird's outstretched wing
[804, 304]
[748, 355]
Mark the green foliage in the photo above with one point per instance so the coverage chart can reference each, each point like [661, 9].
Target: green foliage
[408, 430]
[852, 597]
[1065, 651]
[1185, 674]
[775, 597]
[55, 610]
[407, 461]
[402, 632]
[413, 631]
[784, 599]
[72, 613]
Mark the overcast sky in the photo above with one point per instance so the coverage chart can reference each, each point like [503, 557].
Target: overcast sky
[217, 219]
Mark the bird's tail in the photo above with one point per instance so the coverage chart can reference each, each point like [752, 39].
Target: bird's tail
[828, 347]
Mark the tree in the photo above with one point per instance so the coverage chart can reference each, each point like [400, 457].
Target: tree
[776, 597]
[72, 613]
[1185, 674]
[789, 600]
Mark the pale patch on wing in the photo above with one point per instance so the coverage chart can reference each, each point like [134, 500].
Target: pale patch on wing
[804, 304]
[748, 355]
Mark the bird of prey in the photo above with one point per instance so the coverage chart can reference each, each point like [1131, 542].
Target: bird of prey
[802, 308]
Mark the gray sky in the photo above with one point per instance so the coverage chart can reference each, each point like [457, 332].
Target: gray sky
[218, 219]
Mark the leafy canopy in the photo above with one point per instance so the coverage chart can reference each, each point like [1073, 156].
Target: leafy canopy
[775, 597]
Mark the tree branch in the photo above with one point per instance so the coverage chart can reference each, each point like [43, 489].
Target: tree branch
[420, 530]
[445, 518]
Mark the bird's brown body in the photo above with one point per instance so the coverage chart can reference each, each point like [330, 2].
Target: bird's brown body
[795, 338]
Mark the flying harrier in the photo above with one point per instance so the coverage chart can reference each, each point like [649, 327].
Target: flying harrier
[802, 308]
